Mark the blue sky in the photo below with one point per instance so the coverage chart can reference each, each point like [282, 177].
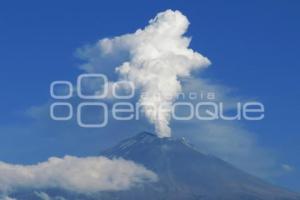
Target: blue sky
[253, 47]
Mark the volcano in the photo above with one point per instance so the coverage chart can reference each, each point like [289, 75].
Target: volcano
[184, 174]
[187, 174]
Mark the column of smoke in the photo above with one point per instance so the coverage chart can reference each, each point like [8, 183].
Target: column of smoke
[158, 56]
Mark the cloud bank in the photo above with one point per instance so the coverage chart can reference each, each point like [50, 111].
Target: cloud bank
[154, 59]
[82, 175]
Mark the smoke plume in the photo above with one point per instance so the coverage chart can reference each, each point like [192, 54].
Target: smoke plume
[154, 58]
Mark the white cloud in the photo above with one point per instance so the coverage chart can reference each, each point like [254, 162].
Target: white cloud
[154, 58]
[83, 175]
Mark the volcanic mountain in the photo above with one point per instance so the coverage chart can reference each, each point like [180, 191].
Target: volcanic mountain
[187, 174]
[184, 174]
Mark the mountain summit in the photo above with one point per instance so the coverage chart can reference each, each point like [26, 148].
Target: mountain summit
[187, 174]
